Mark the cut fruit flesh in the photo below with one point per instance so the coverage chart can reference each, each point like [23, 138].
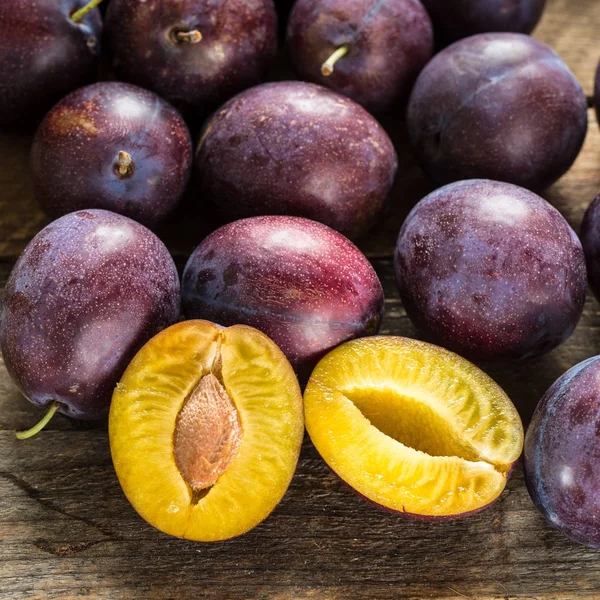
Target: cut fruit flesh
[143, 420]
[412, 427]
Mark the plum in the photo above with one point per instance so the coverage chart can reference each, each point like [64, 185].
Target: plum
[297, 149]
[196, 54]
[499, 106]
[590, 239]
[561, 460]
[44, 54]
[456, 19]
[113, 146]
[490, 270]
[88, 291]
[371, 52]
[304, 285]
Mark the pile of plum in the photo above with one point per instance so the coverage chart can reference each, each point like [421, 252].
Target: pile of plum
[485, 267]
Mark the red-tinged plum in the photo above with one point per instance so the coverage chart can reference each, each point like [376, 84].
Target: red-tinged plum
[113, 146]
[491, 271]
[561, 460]
[590, 239]
[196, 54]
[498, 106]
[299, 149]
[88, 291]
[304, 285]
[47, 49]
[369, 51]
[456, 19]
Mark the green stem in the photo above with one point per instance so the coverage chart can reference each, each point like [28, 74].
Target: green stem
[79, 14]
[23, 435]
[328, 65]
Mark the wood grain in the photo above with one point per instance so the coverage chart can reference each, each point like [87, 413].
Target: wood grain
[66, 530]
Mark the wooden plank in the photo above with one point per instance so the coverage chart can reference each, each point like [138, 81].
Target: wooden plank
[68, 532]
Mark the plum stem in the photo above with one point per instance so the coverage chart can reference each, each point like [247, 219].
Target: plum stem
[79, 14]
[329, 64]
[125, 163]
[23, 435]
[192, 37]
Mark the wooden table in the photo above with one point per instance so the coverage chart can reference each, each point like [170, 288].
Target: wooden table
[66, 530]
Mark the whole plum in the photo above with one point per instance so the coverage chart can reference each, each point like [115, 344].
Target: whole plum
[371, 52]
[590, 239]
[499, 106]
[561, 459]
[456, 19]
[297, 149]
[490, 270]
[44, 54]
[88, 291]
[197, 54]
[304, 285]
[113, 146]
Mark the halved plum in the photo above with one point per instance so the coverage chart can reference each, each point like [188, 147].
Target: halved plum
[412, 427]
[205, 430]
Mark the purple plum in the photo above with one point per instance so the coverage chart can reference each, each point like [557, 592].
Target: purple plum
[113, 146]
[297, 149]
[88, 291]
[303, 284]
[197, 54]
[590, 239]
[456, 19]
[491, 271]
[498, 106]
[561, 459]
[44, 54]
[369, 51]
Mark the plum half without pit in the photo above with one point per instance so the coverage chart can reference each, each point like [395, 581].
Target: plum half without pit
[303, 284]
[294, 148]
[88, 291]
[412, 427]
[205, 430]
[113, 146]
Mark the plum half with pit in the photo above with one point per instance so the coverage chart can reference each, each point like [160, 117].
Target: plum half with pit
[304, 285]
[456, 19]
[47, 49]
[114, 146]
[88, 291]
[497, 106]
[369, 51]
[197, 54]
[561, 460]
[297, 149]
[491, 271]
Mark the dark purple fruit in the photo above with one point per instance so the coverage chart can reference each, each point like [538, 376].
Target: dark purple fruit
[590, 239]
[491, 271]
[498, 106]
[304, 285]
[298, 149]
[456, 19]
[113, 146]
[88, 291]
[44, 54]
[194, 53]
[369, 51]
[561, 460]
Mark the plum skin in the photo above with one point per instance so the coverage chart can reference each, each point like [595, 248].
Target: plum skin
[590, 240]
[462, 18]
[75, 150]
[497, 106]
[302, 284]
[491, 271]
[43, 56]
[308, 151]
[88, 291]
[562, 454]
[239, 41]
[389, 43]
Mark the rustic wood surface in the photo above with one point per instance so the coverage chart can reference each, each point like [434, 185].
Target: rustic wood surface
[66, 530]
